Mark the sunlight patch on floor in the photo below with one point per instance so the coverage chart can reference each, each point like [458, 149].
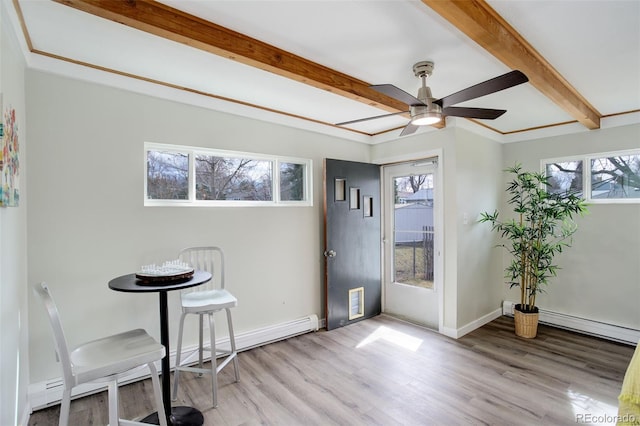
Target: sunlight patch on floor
[588, 410]
[398, 338]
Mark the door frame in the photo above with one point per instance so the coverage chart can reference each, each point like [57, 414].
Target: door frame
[439, 223]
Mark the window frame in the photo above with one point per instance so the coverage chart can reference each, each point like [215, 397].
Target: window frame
[586, 174]
[191, 201]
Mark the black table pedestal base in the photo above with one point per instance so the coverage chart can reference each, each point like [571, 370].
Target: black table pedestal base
[180, 416]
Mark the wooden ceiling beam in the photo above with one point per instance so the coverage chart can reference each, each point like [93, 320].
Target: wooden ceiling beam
[482, 24]
[164, 21]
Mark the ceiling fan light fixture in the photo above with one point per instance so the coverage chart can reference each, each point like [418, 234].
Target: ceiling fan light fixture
[426, 118]
[425, 115]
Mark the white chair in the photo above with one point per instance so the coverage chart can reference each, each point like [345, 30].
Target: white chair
[207, 301]
[103, 360]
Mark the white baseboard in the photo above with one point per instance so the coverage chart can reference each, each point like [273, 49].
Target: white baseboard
[456, 333]
[582, 325]
[49, 392]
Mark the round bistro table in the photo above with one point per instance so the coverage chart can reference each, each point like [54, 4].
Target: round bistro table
[129, 283]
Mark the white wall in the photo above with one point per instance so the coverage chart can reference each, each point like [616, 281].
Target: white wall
[87, 223]
[478, 174]
[13, 245]
[600, 275]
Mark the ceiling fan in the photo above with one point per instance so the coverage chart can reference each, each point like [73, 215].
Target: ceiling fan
[426, 110]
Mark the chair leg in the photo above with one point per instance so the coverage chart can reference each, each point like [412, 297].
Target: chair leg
[176, 374]
[201, 340]
[232, 341]
[214, 362]
[114, 417]
[65, 405]
[157, 392]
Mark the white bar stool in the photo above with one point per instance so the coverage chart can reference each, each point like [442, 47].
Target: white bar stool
[207, 301]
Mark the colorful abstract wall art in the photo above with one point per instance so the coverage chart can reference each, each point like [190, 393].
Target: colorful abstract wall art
[9, 163]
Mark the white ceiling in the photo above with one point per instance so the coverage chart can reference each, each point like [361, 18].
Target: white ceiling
[594, 45]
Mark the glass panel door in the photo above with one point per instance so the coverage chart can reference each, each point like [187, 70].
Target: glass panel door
[410, 234]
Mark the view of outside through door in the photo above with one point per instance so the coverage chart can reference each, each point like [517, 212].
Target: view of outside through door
[413, 230]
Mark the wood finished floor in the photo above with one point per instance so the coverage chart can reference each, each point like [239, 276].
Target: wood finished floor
[383, 371]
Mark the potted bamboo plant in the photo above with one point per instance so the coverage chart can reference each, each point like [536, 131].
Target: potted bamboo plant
[542, 227]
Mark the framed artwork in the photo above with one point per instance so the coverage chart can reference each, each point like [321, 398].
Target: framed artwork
[9, 162]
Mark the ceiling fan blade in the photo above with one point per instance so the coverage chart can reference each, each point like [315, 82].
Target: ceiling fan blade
[396, 93]
[409, 129]
[371, 118]
[496, 84]
[484, 113]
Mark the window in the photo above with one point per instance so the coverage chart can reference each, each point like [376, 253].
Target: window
[600, 178]
[177, 175]
[565, 176]
[615, 177]
[167, 175]
[238, 179]
[413, 230]
[292, 177]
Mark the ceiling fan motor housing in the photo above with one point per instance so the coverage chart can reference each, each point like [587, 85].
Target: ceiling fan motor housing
[424, 95]
[428, 112]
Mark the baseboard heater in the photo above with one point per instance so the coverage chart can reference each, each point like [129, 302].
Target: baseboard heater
[583, 325]
[47, 393]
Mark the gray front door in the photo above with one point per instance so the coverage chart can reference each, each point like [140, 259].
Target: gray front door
[352, 241]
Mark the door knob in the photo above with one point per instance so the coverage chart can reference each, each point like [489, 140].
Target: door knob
[329, 253]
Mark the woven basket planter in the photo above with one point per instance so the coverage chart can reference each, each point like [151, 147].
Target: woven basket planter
[526, 323]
